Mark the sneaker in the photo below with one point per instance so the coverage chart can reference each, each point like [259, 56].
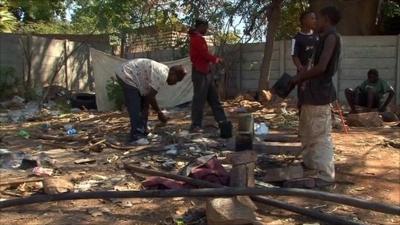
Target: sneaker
[142, 141]
[139, 142]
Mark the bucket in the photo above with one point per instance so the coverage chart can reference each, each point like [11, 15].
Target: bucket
[225, 129]
[282, 87]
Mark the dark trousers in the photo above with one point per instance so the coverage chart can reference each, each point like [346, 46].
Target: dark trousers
[204, 90]
[137, 109]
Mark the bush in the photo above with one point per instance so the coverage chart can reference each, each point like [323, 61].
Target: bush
[115, 93]
[8, 81]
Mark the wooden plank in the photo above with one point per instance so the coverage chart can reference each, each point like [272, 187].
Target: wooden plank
[277, 148]
[279, 137]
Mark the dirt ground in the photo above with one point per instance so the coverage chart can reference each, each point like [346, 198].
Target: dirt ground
[366, 167]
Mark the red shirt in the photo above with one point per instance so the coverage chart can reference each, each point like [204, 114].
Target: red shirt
[199, 54]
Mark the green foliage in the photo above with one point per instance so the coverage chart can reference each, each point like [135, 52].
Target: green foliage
[290, 23]
[8, 22]
[38, 10]
[48, 28]
[115, 93]
[8, 81]
[391, 9]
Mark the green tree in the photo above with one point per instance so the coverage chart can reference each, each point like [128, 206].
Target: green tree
[8, 22]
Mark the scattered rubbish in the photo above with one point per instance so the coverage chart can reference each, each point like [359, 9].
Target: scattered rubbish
[42, 172]
[125, 204]
[85, 185]
[11, 160]
[112, 159]
[24, 134]
[144, 165]
[95, 212]
[4, 118]
[85, 160]
[169, 164]
[45, 127]
[57, 185]
[99, 177]
[15, 103]
[395, 143]
[29, 163]
[171, 150]
[184, 133]
[71, 132]
[261, 130]
[75, 110]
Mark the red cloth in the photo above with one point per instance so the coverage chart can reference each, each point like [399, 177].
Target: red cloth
[199, 54]
[210, 170]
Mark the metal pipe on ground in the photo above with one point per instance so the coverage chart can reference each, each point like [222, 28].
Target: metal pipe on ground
[208, 192]
[325, 196]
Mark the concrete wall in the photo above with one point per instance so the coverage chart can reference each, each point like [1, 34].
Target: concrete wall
[359, 54]
[46, 54]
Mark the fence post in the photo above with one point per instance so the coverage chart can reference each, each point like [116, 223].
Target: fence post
[398, 71]
[66, 64]
[281, 57]
[239, 79]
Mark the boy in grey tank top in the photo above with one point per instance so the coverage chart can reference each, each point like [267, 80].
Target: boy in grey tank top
[318, 93]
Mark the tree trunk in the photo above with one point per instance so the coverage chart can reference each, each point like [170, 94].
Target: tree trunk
[123, 43]
[273, 23]
[358, 16]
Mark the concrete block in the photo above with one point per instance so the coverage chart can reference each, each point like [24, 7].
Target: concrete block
[230, 211]
[283, 173]
[57, 185]
[371, 119]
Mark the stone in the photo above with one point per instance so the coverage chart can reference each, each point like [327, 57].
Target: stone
[230, 211]
[283, 173]
[57, 185]
[370, 119]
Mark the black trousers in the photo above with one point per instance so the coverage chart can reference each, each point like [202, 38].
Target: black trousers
[204, 90]
[137, 109]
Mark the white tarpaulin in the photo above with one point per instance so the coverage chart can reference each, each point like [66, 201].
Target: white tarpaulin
[169, 96]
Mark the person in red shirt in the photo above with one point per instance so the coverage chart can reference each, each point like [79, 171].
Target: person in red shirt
[203, 86]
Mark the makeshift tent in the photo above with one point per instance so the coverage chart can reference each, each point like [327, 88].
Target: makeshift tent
[168, 97]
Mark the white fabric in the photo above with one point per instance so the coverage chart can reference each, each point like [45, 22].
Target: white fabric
[143, 74]
[168, 96]
[315, 135]
[293, 46]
